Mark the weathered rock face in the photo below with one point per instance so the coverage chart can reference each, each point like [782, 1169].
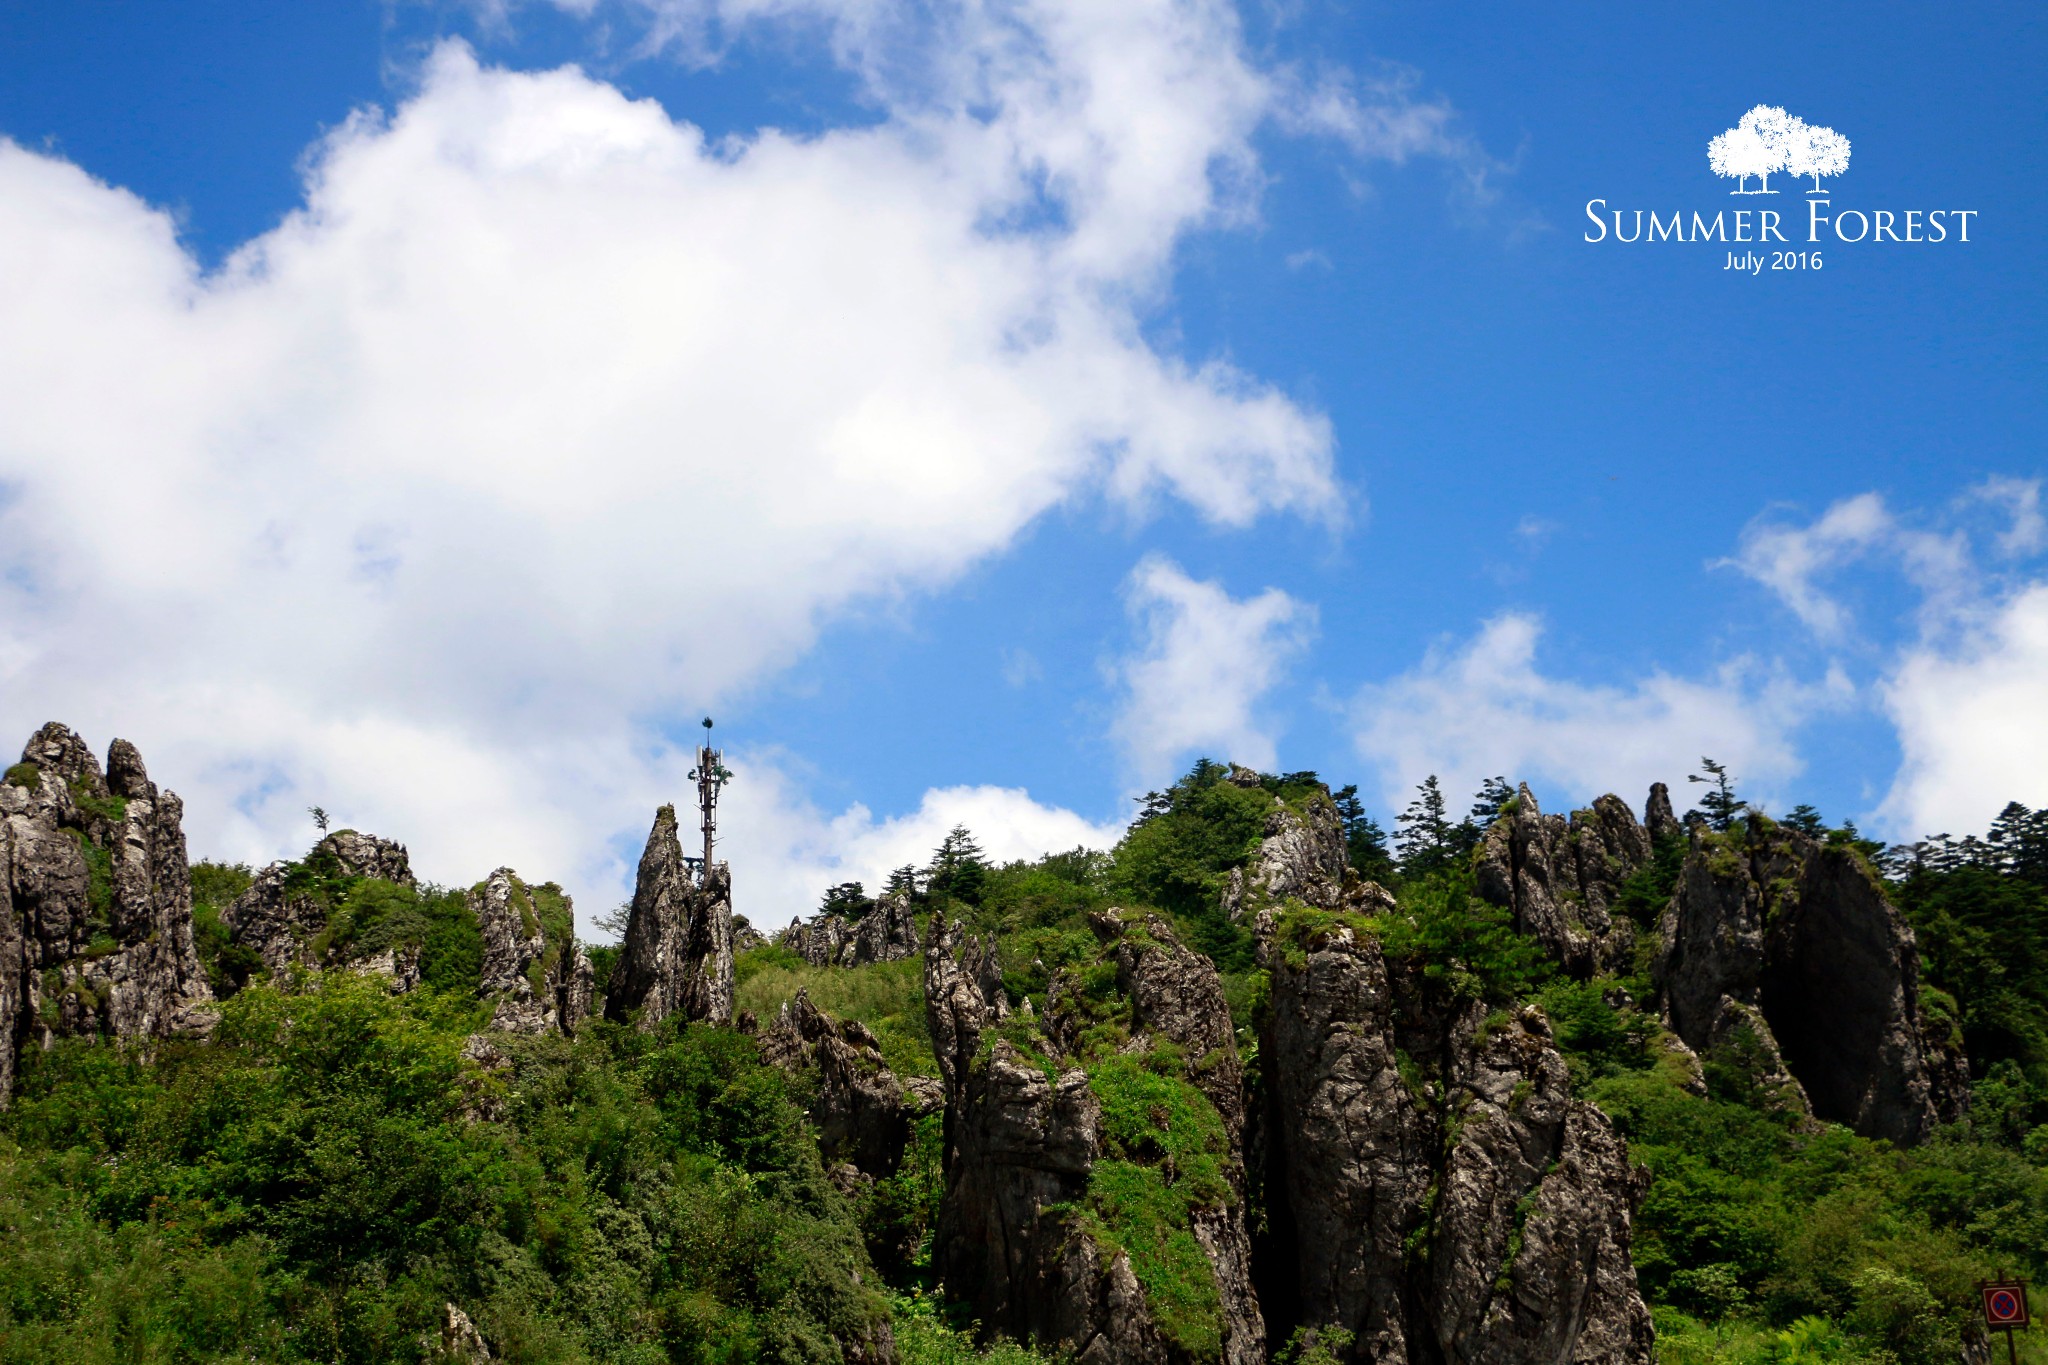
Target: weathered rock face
[280, 921]
[540, 979]
[1025, 1134]
[1302, 856]
[886, 933]
[365, 855]
[863, 1111]
[95, 901]
[1658, 821]
[1784, 955]
[1561, 878]
[818, 940]
[677, 954]
[956, 1009]
[1470, 1212]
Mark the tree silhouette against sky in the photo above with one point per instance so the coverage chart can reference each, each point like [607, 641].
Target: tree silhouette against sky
[1816, 151]
[1739, 154]
[1768, 139]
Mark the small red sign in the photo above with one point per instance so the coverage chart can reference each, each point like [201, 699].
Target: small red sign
[2005, 1305]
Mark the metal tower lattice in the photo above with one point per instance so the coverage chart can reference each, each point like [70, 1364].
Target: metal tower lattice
[710, 775]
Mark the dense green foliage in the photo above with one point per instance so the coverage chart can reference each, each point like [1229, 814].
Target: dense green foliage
[319, 1180]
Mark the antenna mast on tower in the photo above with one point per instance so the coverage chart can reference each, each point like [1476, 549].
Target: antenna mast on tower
[710, 775]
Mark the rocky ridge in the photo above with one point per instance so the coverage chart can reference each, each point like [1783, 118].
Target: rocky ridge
[540, 985]
[1300, 857]
[1561, 877]
[1434, 1190]
[863, 1111]
[887, 932]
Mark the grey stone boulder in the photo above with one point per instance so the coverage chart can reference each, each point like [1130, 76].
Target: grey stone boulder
[1561, 878]
[1025, 1134]
[540, 981]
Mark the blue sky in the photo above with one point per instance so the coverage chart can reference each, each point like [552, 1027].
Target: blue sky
[1473, 496]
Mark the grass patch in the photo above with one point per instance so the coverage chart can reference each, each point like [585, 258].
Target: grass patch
[1163, 1153]
[888, 997]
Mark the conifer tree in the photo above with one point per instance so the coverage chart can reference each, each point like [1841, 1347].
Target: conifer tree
[1806, 820]
[958, 868]
[1493, 798]
[1720, 805]
[1365, 843]
[1426, 837]
[848, 900]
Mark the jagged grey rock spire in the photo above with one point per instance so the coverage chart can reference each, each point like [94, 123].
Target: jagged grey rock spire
[95, 901]
[677, 954]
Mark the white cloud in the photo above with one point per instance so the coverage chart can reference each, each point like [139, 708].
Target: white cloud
[1484, 708]
[1789, 559]
[2028, 532]
[785, 852]
[1966, 684]
[545, 417]
[1206, 662]
[1972, 720]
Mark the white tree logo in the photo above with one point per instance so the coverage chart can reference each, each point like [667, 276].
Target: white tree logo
[1769, 139]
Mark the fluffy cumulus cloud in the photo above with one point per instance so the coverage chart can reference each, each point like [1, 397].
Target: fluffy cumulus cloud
[1205, 662]
[793, 850]
[1965, 682]
[1972, 719]
[545, 417]
[1485, 707]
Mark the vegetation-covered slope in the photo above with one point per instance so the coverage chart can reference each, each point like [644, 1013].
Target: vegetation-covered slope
[342, 1160]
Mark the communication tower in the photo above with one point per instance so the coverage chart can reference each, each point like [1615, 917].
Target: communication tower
[710, 775]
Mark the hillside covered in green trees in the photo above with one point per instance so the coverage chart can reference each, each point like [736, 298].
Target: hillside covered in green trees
[337, 1163]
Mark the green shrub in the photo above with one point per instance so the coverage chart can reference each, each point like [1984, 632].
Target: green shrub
[315, 1182]
[24, 775]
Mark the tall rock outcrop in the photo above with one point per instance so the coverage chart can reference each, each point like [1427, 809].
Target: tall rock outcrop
[532, 965]
[1561, 877]
[1053, 1132]
[1432, 1187]
[95, 901]
[1787, 951]
[887, 932]
[677, 953]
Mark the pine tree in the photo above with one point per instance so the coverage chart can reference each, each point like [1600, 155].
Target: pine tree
[1493, 798]
[1806, 820]
[1720, 805]
[848, 900]
[905, 883]
[1427, 839]
[1365, 843]
[958, 868]
[2020, 837]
